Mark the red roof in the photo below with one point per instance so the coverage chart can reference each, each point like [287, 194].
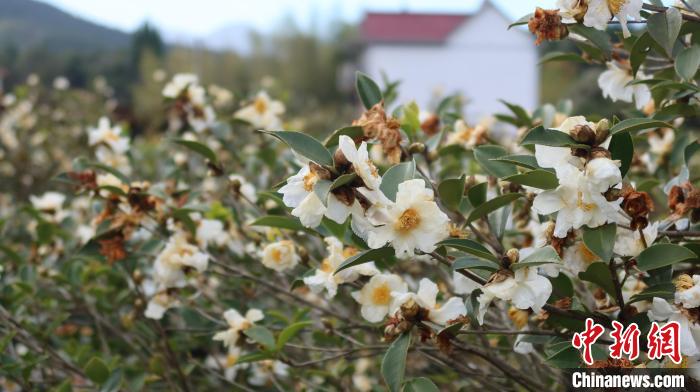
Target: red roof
[409, 27]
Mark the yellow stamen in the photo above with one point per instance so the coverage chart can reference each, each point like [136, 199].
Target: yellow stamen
[231, 360]
[326, 266]
[584, 206]
[381, 295]
[309, 181]
[616, 5]
[408, 221]
[260, 105]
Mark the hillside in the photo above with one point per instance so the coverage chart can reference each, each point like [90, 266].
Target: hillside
[30, 23]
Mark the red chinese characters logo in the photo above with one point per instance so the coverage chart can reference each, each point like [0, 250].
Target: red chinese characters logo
[662, 341]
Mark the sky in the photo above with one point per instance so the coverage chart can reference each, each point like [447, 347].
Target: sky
[201, 17]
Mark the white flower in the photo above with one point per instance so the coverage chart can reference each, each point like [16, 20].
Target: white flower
[280, 256]
[113, 159]
[525, 289]
[571, 10]
[264, 371]
[689, 334]
[690, 297]
[462, 284]
[466, 136]
[263, 112]
[579, 200]
[228, 363]
[615, 83]
[104, 133]
[521, 346]
[175, 257]
[600, 12]
[159, 304]
[577, 257]
[359, 157]
[661, 145]
[237, 323]
[629, 242]
[50, 202]
[185, 83]
[426, 298]
[376, 296]
[414, 222]
[299, 194]
[246, 188]
[211, 232]
[61, 83]
[325, 276]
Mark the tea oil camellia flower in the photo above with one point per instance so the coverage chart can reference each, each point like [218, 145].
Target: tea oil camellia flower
[325, 276]
[237, 323]
[615, 83]
[361, 163]
[525, 288]
[280, 256]
[263, 112]
[376, 296]
[414, 222]
[426, 298]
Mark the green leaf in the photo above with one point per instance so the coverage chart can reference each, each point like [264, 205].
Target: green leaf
[343, 180]
[420, 384]
[600, 240]
[451, 192]
[622, 149]
[394, 362]
[541, 179]
[599, 274]
[114, 381]
[368, 90]
[526, 161]
[121, 176]
[410, 121]
[690, 150]
[544, 255]
[395, 176]
[639, 51]
[289, 332]
[492, 205]
[560, 56]
[477, 194]
[664, 28]
[661, 255]
[321, 189]
[198, 148]
[522, 21]
[96, 370]
[261, 335]
[662, 290]
[468, 246]
[353, 132]
[471, 262]
[305, 146]
[548, 137]
[520, 113]
[687, 63]
[638, 124]
[599, 39]
[366, 257]
[485, 154]
[279, 221]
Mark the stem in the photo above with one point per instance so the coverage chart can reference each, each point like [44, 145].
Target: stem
[618, 288]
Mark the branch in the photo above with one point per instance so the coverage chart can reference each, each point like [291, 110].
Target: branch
[650, 7]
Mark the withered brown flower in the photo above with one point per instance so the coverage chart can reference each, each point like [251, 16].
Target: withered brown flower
[376, 125]
[546, 25]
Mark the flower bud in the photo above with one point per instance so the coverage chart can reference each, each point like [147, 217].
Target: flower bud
[137, 276]
[513, 255]
[583, 134]
[602, 131]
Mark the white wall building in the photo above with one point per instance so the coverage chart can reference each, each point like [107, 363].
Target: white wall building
[441, 54]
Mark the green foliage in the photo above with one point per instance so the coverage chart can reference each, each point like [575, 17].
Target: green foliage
[394, 362]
